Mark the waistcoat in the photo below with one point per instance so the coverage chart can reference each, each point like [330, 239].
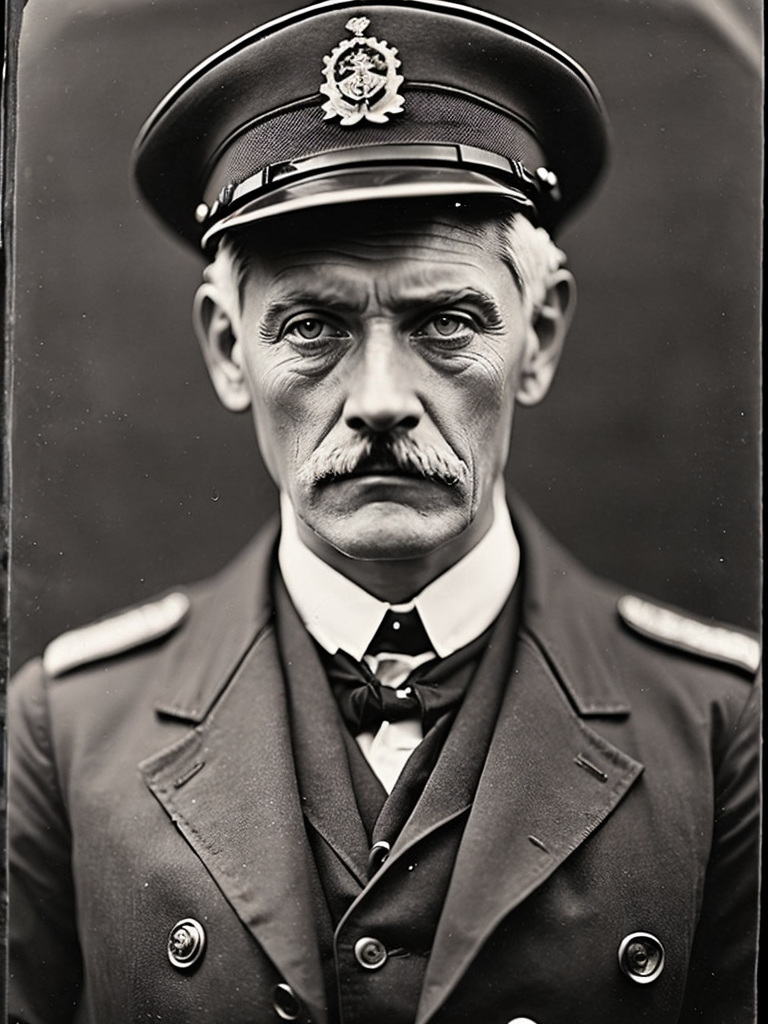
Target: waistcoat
[376, 922]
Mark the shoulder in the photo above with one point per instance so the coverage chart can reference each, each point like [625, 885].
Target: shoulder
[703, 640]
[678, 669]
[117, 634]
[591, 621]
[132, 659]
[112, 643]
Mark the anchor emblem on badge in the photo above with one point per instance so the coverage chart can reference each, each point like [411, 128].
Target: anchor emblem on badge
[361, 79]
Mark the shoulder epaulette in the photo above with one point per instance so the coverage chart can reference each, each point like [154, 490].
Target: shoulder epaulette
[719, 643]
[115, 635]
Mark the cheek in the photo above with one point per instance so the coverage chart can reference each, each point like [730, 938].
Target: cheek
[479, 409]
[290, 414]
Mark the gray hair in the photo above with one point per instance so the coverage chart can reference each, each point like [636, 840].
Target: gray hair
[532, 257]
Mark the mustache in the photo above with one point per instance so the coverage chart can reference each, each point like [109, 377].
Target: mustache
[372, 452]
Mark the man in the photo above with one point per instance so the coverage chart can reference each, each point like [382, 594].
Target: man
[404, 760]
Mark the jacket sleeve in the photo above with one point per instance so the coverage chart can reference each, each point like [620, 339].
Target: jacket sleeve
[722, 976]
[45, 966]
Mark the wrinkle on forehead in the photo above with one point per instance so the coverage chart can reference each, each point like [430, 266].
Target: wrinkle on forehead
[425, 238]
[398, 283]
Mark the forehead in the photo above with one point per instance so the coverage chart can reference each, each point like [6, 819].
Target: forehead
[415, 245]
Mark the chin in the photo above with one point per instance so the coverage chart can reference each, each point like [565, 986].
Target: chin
[393, 533]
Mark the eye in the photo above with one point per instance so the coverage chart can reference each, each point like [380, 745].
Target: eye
[448, 330]
[446, 325]
[312, 333]
[309, 329]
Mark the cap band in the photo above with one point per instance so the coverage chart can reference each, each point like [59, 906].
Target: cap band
[511, 172]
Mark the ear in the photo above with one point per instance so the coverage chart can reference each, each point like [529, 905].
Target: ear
[547, 333]
[221, 348]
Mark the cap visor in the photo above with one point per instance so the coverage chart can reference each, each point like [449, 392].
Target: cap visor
[364, 185]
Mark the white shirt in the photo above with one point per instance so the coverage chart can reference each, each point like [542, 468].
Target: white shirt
[455, 608]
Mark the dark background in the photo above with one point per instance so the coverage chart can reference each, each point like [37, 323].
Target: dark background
[128, 476]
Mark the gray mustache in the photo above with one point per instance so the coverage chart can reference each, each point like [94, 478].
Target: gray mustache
[391, 451]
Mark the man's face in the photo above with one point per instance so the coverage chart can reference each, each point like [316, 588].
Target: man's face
[382, 367]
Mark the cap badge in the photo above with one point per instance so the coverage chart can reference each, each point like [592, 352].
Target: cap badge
[361, 79]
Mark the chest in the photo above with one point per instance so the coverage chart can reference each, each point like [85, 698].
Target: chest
[520, 897]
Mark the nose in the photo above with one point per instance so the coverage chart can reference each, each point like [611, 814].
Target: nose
[382, 393]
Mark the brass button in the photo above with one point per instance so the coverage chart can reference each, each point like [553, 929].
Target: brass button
[186, 943]
[641, 957]
[370, 953]
[286, 1003]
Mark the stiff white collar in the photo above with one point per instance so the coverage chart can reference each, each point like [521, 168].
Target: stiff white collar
[455, 608]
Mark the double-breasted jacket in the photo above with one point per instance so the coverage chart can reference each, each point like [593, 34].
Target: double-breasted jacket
[605, 871]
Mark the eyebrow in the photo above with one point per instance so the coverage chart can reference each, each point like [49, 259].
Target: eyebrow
[450, 297]
[278, 308]
[428, 302]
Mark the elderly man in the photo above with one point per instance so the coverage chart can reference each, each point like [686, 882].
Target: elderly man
[404, 760]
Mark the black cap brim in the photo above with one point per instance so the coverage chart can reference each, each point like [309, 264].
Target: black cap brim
[365, 185]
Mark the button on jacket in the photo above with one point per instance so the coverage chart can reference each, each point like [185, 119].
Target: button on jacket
[606, 871]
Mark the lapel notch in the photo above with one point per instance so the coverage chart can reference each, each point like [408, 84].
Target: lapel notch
[228, 613]
[571, 620]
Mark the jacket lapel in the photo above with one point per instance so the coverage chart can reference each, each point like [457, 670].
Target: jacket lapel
[229, 784]
[451, 786]
[549, 778]
[328, 796]
[548, 782]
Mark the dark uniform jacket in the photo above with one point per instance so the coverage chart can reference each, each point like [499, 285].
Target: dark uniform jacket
[605, 872]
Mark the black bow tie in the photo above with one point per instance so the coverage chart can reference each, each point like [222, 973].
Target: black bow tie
[429, 691]
[364, 701]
